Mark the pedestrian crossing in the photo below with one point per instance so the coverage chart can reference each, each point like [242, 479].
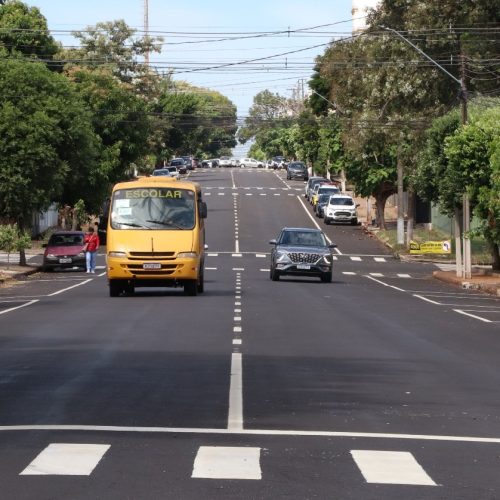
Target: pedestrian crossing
[240, 463]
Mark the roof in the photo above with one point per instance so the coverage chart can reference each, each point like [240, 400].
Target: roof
[157, 181]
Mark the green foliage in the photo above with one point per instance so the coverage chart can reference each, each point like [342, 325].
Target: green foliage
[24, 32]
[46, 139]
[194, 121]
[11, 239]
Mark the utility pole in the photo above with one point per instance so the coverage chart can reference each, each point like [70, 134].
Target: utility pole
[146, 30]
[463, 268]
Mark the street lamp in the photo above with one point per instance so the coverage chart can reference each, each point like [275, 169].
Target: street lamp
[463, 268]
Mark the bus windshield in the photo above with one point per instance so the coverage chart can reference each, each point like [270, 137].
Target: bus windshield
[153, 208]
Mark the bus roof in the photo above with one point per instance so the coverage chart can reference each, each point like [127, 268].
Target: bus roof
[157, 181]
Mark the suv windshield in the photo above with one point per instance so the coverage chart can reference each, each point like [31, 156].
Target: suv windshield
[341, 201]
[153, 208]
[303, 238]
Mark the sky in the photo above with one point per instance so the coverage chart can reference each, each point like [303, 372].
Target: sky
[191, 30]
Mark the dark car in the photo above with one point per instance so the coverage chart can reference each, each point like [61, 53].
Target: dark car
[301, 252]
[181, 164]
[64, 250]
[297, 170]
[319, 209]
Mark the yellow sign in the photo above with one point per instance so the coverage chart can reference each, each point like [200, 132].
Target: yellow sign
[439, 247]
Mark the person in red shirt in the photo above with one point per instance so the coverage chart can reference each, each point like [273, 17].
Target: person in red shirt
[91, 241]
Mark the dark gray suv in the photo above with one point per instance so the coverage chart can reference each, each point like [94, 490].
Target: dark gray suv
[297, 170]
[301, 252]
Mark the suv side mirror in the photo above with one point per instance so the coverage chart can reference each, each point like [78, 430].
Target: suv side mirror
[332, 245]
[272, 242]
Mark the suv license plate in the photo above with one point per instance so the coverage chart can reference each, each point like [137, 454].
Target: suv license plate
[151, 265]
[65, 261]
[303, 266]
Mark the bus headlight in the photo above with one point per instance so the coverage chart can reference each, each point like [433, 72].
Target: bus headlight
[120, 255]
[187, 255]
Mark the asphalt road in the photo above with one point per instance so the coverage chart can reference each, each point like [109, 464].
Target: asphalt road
[383, 384]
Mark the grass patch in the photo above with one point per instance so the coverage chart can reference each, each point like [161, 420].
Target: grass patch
[479, 249]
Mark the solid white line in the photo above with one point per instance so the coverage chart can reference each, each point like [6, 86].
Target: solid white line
[232, 178]
[459, 311]
[19, 307]
[312, 218]
[391, 467]
[235, 414]
[385, 284]
[427, 300]
[236, 247]
[69, 288]
[255, 432]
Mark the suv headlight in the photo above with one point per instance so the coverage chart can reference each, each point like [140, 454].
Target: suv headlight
[327, 259]
[282, 257]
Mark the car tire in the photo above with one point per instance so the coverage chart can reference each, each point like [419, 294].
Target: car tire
[354, 222]
[191, 287]
[327, 221]
[326, 277]
[275, 275]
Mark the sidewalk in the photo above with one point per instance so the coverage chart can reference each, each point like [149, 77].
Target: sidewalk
[488, 283]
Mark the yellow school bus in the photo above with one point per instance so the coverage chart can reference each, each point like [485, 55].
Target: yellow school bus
[156, 235]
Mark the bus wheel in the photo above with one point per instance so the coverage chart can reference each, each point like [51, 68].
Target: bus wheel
[191, 287]
[201, 282]
[115, 288]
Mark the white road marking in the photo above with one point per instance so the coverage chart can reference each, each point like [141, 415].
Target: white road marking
[235, 414]
[237, 311]
[237, 341]
[427, 300]
[379, 259]
[69, 288]
[237, 329]
[227, 462]
[260, 255]
[356, 259]
[210, 269]
[377, 275]
[213, 255]
[237, 318]
[459, 311]
[238, 268]
[391, 467]
[403, 275]
[66, 459]
[386, 284]
[237, 254]
[349, 273]
[19, 307]
[264, 270]
[311, 217]
[248, 432]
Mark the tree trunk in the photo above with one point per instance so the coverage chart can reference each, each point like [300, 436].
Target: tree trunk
[380, 200]
[495, 253]
[22, 252]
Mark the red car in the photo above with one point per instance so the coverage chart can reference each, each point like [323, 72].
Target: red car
[64, 250]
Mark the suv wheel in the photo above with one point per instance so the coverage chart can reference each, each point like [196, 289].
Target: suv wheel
[274, 275]
[327, 220]
[326, 277]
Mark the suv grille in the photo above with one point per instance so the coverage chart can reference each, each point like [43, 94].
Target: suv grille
[342, 214]
[310, 258]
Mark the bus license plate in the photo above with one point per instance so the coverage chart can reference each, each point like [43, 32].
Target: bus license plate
[303, 266]
[151, 265]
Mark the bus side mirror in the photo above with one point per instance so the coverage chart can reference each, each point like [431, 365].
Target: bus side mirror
[203, 210]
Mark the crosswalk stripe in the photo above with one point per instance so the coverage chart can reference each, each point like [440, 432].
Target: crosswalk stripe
[380, 259]
[66, 459]
[227, 462]
[356, 259]
[391, 467]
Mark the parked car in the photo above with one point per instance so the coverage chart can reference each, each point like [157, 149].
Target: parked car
[174, 172]
[235, 162]
[162, 172]
[279, 162]
[224, 161]
[181, 164]
[323, 188]
[191, 163]
[341, 208]
[251, 162]
[297, 170]
[301, 252]
[311, 182]
[319, 209]
[64, 250]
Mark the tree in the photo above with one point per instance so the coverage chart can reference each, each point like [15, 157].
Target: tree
[45, 138]
[120, 118]
[192, 120]
[24, 32]
[114, 46]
